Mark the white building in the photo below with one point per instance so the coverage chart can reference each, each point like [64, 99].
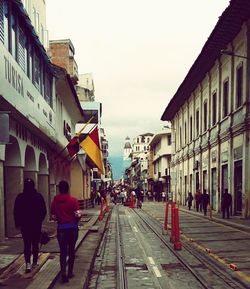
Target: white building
[160, 152]
[210, 116]
[36, 10]
[40, 121]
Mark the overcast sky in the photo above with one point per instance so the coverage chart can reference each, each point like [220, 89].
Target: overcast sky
[139, 52]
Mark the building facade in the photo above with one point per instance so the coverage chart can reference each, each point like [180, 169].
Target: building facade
[159, 162]
[210, 116]
[43, 109]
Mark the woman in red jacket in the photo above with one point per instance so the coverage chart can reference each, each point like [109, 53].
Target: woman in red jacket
[65, 210]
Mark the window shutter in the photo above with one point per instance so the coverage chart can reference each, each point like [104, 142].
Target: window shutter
[1, 22]
[21, 49]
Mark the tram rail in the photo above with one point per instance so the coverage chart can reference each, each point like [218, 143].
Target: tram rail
[210, 264]
[121, 276]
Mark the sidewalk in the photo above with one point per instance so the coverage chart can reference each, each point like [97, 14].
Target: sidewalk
[11, 257]
[234, 221]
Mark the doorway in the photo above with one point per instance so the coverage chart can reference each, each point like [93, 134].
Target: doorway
[213, 188]
[238, 186]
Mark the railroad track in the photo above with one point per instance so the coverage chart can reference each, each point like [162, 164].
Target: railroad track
[220, 274]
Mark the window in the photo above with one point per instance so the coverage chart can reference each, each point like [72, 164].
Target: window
[205, 116]
[197, 123]
[30, 63]
[13, 36]
[5, 23]
[191, 128]
[214, 108]
[180, 138]
[169, 139]
[22, 50]
[48, 89]
[1, 22]
[225, 98]
[185, 133]
[239, 84]
[36, 72]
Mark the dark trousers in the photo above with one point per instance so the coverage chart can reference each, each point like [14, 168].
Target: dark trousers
[67, 240]
[31, 238]
[225, 211]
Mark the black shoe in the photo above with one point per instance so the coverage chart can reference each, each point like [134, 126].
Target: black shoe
[71, 275]
[64, 279]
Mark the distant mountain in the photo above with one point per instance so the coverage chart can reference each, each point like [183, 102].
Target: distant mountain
[117, 166]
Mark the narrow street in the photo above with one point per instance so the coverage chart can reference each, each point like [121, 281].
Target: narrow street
[130, 249]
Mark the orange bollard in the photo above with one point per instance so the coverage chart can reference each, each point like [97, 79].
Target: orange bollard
[107, 207]
[101, 210]
[172, 237]
[177, 243]
[166, 217]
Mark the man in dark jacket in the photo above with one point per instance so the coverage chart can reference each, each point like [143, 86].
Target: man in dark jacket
[205, 201]
[226, 203]
[29, 213]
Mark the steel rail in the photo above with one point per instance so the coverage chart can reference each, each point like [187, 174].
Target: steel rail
[218, 271]
[121, 276]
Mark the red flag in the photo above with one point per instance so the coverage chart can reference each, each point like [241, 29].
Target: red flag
[73, 146]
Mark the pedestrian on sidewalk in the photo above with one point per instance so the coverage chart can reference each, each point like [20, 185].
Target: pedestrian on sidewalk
[226, 203]
[92, 198]
[205, 201]
[198, 200]
[65, 210]
[29, 213]
[189, 200]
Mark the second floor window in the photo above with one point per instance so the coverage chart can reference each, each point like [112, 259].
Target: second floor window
[197, 123]
[239, 84]
[191, 128]
[205, 115]
[214, 104]
[225, 98]
[185, 133]
[180, 138]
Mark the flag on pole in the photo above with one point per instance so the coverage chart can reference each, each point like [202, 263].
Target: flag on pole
[73, 146]
[91, 146]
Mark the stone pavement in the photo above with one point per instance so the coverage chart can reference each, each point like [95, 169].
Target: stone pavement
[237, 222]
[12, 262]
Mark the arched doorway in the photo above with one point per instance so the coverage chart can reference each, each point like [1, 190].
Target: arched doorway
[13, 183]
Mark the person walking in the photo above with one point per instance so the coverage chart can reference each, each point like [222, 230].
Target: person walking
[93, 198]
[198, 200]
[226, 203]
[205, 201]
[190, 200]
[29, 213]
[65, 210]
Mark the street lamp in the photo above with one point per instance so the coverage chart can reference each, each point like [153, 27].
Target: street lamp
[231, 53]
